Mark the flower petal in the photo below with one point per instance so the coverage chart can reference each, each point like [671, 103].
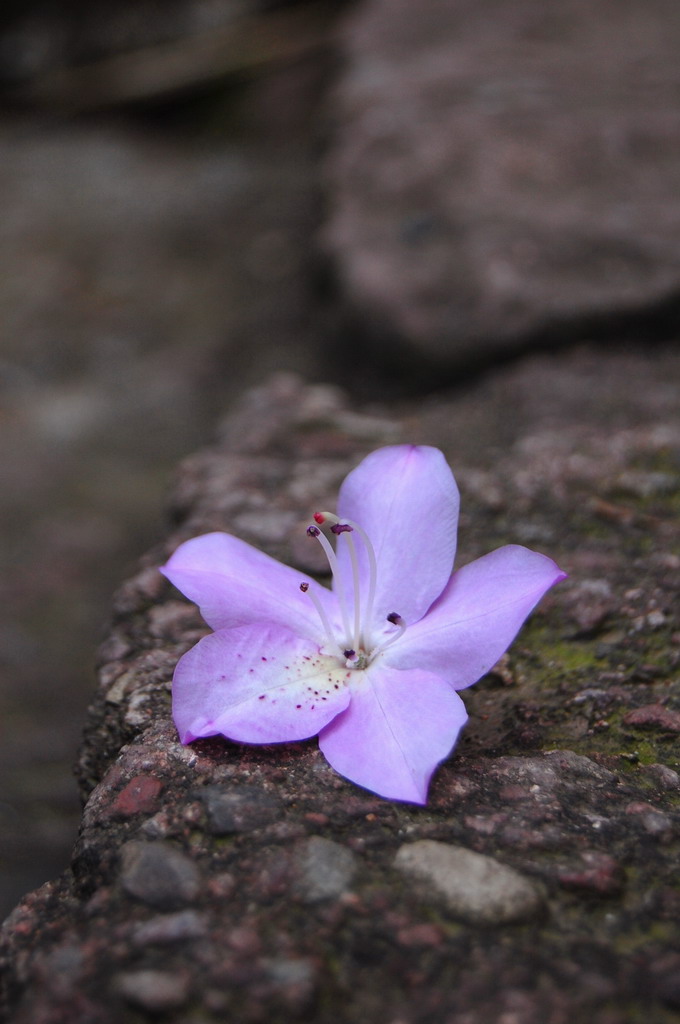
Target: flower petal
[398, 727]
[256, 685]
[234, 584]
[478, 615]
[406, 499]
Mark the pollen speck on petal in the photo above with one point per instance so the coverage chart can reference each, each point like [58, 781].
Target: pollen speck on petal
[269, 705]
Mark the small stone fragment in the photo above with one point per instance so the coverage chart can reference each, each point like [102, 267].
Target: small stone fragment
[244, 940]
[420, 935]
[598, 873]
[664, 776]
[292, 981]
[655, 822]
[140, 796]
[238, 808]
[158, 874]
[476, 888]
[589, 602]
[138, 592]
[154, 991]
[173, 618]
[325, 869]
[168, 928]
[653, 716]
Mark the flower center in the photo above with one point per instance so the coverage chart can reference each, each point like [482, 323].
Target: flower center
[355, 646]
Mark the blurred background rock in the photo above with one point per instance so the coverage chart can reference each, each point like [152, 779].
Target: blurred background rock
[155, 252]
[386, 195]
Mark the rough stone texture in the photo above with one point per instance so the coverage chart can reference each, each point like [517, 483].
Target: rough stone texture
[505, 168]
[238, 808]
[577, 454]
[158, 874]
[475, 888]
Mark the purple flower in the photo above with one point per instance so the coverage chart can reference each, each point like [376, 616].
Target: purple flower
[373, 665]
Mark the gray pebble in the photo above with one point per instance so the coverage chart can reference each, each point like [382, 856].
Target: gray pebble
[238, 808]
[158, 874]
[476, 888]
[324, 869]
[664, 776]
[153, 990]
[286, 971]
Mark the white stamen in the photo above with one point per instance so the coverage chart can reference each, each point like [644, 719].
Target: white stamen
[357, 601]
[372, 571]
[332, 642]
[335, 570]
[367, 615]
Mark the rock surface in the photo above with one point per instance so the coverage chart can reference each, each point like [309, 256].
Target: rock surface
[504, 170]
[254, 884]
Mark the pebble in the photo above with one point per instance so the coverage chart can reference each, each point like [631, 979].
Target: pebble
[551, 771]
[664, 776]
[169, 928]
[292, 980]
[420, 935]
[654, 716]
[476, 888]
[238, 808]
[140, 796]
[655, 822]
[325, 869]
[154, 991]
[597, 872]
[172, 619]
[287, 971]
[158, 874]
